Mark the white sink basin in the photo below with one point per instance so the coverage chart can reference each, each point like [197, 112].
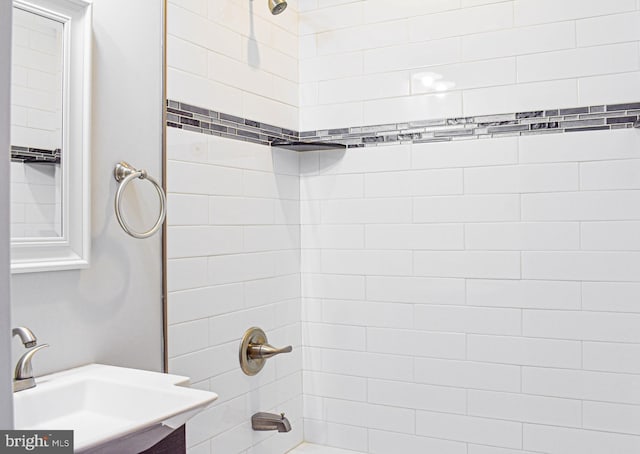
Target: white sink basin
[110, 409]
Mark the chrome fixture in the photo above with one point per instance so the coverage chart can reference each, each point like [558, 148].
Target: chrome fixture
[26, 336]
[23, 377]
[124, 173]
[270, 421]
[277, 6]
[255, 350]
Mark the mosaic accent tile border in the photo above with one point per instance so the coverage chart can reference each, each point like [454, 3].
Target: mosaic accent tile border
[199, 119]
[35, 155]
[578, 119]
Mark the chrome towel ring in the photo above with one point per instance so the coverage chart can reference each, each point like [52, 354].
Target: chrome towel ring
[124, 173]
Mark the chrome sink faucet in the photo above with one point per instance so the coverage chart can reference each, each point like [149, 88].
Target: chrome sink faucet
[23, 377]
[26, 336]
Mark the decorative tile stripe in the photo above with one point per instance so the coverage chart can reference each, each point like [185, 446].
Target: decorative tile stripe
[205, 121]
[593, 118]
[38, 155]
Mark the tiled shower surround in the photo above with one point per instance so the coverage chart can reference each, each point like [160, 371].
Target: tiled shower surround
[459, 296]
[451, 296]
[474, 296]
[233, 242]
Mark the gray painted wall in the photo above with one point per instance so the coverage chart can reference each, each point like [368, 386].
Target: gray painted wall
[110, 313]
[6, 406]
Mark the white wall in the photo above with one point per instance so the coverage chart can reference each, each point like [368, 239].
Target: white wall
[361, 62]
[233, 248]
[112, 312]
[233, 56]
[6, 406]
[475, 296]
[470, 297]
[234, 236]
[35, 200]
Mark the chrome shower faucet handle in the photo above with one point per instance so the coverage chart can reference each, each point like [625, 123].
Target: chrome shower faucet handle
[255, 350]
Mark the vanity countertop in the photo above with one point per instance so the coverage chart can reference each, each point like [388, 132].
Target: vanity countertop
[103, 404]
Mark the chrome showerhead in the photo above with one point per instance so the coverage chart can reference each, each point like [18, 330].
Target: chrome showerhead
[277, 6]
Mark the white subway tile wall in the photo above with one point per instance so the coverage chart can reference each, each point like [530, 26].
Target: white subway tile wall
[234, 57]
[490, 306]
[35, 200]
[36, 85]
[233, 234]
[375, 61]
[467, 297]
[233, 244]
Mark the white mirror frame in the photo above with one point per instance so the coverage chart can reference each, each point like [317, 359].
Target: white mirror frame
[72, 249]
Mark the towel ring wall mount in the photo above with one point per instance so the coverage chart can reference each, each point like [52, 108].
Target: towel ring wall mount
[124, 174]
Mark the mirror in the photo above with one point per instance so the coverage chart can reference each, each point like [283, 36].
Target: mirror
[50, 135]
[36, 125]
